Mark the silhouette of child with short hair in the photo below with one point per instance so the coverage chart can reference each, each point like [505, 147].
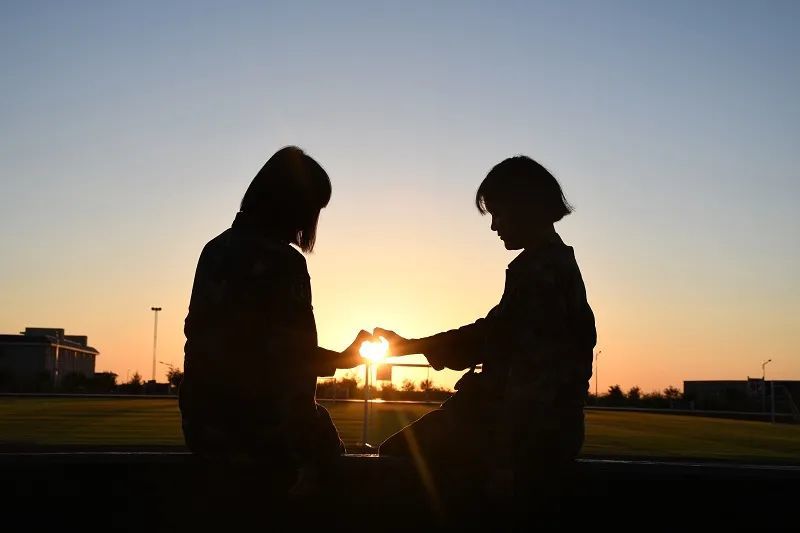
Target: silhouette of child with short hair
[521, 417]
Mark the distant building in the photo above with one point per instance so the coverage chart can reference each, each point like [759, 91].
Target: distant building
[45, 354]
[752, 394]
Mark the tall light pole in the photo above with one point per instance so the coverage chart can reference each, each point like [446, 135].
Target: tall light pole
[371, 352]
[596, 374]
[168, 365]
[366, 406]
[763, 371]
[155, 338]
[764, 384]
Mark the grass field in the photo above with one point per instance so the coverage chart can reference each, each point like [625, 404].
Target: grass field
[102, 422]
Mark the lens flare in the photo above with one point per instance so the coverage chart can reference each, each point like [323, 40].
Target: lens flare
[374, 351]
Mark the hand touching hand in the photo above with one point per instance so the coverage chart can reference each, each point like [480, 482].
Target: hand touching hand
[397, 345]
[350, 357]
[401, 346]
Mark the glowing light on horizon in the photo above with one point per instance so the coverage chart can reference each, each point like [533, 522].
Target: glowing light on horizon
[374, 351]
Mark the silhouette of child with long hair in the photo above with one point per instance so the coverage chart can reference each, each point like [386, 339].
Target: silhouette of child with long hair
[521, 417]
[251, 353]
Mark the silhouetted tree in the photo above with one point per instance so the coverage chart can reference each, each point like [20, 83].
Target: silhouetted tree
[103, 382]
[174, 376]
[672, 393]
[615, 396]
[388, 391]
[634, 395]
[654, 400]
[327, 389]
[350, 383]
[425, 385]
[134, 385]
[438, 393]
[408, 385]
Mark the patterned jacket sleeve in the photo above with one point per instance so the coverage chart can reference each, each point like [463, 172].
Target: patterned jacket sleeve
[460, 348]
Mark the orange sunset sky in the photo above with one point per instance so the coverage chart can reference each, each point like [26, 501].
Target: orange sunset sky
[130, 134]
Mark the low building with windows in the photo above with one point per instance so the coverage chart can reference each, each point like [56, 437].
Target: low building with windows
[752, 394]
[39, 355]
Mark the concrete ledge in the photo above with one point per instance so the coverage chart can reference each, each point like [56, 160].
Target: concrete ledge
[608, 466]
[170, 491]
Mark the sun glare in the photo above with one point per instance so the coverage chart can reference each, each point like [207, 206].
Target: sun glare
[374, 351]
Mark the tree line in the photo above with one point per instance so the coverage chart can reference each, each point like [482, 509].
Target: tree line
[669, 398]
[99, 383]
[349, 386]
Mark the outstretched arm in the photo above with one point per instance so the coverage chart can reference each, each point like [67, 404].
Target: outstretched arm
[350, 357]
[456, 349]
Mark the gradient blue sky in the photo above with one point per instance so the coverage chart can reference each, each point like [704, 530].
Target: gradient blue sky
[129, 131]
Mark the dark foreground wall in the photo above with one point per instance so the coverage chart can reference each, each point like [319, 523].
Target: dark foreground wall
[171, 492]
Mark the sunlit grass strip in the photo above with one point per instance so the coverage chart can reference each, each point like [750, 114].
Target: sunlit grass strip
[155, 422]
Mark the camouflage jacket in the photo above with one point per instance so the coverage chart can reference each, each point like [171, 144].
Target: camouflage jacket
[251, 356]
[535, 346]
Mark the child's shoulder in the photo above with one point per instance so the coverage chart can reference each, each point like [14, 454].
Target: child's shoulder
[549, 262]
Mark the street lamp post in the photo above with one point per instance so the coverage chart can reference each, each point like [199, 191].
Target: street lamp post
[155, 338]
[764, 384]
[371, 352]
[366, 405]
[170, 366]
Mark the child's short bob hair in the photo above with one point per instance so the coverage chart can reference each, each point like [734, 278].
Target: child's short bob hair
[287, 195]
[523, 181]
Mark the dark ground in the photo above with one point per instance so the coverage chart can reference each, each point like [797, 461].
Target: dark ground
[162, 491]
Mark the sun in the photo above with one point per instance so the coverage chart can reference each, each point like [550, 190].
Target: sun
[374, 351]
